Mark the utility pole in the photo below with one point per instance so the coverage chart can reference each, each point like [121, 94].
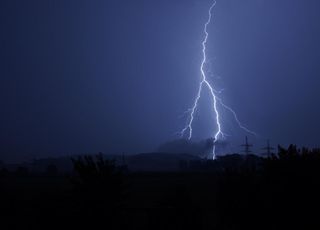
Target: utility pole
[247, 147]
[268, 148]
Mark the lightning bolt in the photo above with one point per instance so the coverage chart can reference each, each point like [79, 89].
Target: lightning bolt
[219, 135]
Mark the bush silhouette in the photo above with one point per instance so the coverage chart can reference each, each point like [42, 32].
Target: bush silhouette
[98, 187]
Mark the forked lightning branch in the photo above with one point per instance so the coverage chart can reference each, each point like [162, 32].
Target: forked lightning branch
[187, 131]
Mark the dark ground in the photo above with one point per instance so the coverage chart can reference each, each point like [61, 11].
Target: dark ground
[283, 193]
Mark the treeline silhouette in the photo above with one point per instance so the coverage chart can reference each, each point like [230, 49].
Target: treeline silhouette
[247, 192]
[282, 194]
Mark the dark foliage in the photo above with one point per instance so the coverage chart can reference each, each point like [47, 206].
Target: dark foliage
[98, 189]
[243, 192]
[97, 175]
[22, 171]
[52, 170]
[283, 194]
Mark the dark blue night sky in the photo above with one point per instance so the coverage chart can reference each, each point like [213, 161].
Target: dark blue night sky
[117, 76]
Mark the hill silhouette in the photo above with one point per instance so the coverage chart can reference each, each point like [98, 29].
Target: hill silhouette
[232, 192]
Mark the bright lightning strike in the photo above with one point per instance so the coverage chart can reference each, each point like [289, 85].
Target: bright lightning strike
[219, 135]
